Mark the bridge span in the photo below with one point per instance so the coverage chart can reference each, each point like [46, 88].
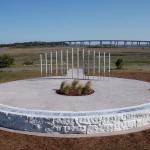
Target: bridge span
[103, 43]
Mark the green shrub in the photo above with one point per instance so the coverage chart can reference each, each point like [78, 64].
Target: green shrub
[87, 88]
[75, 88]
[88, 85]
[79, 89]
[28, 63]
[119, 63]
[6, 61]
[74, 84]
[66, 89]
[85, 91]
[63, 84]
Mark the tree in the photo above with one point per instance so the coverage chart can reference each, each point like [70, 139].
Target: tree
[119, 63]
[6, 61]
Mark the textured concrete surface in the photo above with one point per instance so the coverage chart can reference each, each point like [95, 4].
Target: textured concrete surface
[40, 93]
[96, 122]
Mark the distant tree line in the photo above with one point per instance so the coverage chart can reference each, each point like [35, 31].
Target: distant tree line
[34, 44]
[52, 44]
[58, 44]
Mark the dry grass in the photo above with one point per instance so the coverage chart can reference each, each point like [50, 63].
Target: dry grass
[133, 58]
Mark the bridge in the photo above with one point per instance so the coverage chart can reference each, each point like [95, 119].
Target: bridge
[85, 44]
[103, 43]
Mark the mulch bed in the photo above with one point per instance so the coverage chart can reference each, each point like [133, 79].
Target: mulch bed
[73, 93]
[133, 141]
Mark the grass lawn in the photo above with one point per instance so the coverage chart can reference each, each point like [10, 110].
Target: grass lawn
[19, 75]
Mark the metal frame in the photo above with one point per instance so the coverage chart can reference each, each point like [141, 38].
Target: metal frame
[87, 58]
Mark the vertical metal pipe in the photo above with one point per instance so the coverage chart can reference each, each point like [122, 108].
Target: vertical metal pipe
[67, 60]
[104, 64]
[93, 63]
[41, 62]
[46, 63]
[56, 65]
[77, 62]
[72, 63]
[88, 63]
[109, 64]
[83, 62]
[61, 63]
[99, 63]
[51, 63]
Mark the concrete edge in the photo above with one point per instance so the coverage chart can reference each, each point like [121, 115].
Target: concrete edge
[49, 135]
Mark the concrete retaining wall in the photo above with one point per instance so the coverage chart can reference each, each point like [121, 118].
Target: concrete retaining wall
[74, 122]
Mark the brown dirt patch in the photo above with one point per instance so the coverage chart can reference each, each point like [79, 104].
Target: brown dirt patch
[144, 76]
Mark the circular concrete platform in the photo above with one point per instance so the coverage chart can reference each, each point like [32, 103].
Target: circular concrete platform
[40, 94]
[117, 105]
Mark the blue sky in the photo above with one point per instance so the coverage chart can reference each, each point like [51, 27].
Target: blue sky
[56, 20]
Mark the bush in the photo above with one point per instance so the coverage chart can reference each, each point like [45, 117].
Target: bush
[87, 88]
[89, 84]
[6, 61]
[119, 63]
[66, 89]
[63, 84]
[75, 88]
[28, 63]
[74, 84]
[79, 89]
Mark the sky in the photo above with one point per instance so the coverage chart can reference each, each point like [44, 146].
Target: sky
[58, 20]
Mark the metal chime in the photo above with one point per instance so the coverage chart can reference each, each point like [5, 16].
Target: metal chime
[85, 61]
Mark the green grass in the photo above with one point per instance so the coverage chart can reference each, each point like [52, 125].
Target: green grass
[19, 75]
